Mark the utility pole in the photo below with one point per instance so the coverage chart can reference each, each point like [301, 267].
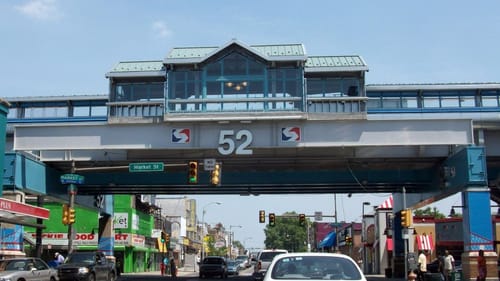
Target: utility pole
[405, 240]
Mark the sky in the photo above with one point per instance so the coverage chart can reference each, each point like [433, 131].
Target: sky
[56, 47]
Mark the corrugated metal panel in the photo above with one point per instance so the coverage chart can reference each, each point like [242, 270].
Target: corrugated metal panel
[267, 50]
[138, 66]
[280, 50]
[190, 52]
[335, 61]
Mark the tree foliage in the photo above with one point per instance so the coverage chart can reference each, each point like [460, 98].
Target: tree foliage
[287, 233]
[429, 212]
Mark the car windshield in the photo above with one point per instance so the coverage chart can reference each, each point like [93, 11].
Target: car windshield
[315, 267]
[81, 258]
[268, 256]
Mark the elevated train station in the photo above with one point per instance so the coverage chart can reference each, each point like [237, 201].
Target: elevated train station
[278, 121]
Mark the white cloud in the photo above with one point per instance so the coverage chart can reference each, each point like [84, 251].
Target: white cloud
[161, 30]
[40, 9]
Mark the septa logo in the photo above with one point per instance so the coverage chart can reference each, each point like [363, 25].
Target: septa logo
[290, 134]
[181, 135]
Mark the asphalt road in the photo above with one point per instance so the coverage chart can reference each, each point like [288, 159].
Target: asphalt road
[185, 274]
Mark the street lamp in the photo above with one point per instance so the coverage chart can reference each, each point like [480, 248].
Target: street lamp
[363, 233]
[231, 239]
[203, 228]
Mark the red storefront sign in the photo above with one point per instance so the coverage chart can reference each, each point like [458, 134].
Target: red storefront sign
[23, 209]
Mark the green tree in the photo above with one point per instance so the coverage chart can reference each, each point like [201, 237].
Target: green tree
[429, 212]
[215, 251]
[287, 233]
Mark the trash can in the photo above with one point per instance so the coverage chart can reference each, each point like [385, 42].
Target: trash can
[433, 277]
[456, 276]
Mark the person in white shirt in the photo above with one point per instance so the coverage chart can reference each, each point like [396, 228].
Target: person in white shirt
[59, 258]
[422, 266]
[449, 265]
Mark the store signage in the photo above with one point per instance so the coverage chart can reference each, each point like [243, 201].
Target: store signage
[23, 209]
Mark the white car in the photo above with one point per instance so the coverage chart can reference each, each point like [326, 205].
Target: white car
[264, 259]
[313, 266]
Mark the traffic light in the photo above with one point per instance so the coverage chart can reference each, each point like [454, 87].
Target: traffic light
[302, 220]
[262, 216]
[215, 175]
[348, 240]
[272, 219]
[165, 238]
[193, 172]
[71, 216]
[406, 218]
[65, 214]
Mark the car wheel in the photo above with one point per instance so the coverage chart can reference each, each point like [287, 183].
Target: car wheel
[52, 279]
[111, 276]
[201, 276]
[91, 277]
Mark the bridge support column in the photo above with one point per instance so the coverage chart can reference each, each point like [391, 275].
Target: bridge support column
[478, 233]
[106, 242]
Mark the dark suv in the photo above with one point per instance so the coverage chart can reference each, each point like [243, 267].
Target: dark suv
[213, 266]
[87, 266]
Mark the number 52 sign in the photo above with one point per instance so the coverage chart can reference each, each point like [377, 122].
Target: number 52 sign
[235, 142]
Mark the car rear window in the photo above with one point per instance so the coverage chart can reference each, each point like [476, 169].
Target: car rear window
[268, 256]
[315, 267]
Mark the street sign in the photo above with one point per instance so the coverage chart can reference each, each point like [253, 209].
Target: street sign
[146, 167]
[72, 179]
[318, 216]
[209, 164]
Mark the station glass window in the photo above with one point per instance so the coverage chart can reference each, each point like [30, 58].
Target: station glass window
[46, 112]
[332, 87]
[490, 98]
[138, 91]
[230, 83]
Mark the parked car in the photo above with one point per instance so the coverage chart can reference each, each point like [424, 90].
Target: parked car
[313, 266]
[243, 260]
[87, 266]
[264, 258]
[27, 269]
[233, 267]
[213, 266]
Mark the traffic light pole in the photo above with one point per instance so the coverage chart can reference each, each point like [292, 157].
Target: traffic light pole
[405, 240]
[72, 193]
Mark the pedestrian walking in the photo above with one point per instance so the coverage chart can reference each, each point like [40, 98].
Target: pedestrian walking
[422, 266]
[481, 266]
[449, 265]
[173, 268]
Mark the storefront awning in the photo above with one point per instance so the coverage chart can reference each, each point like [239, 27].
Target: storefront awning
[424, 242]
[389, 244]
[329, 240]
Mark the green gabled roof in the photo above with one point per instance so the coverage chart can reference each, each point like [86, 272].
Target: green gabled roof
[335, 63]
[269, 52]
[137, 68]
